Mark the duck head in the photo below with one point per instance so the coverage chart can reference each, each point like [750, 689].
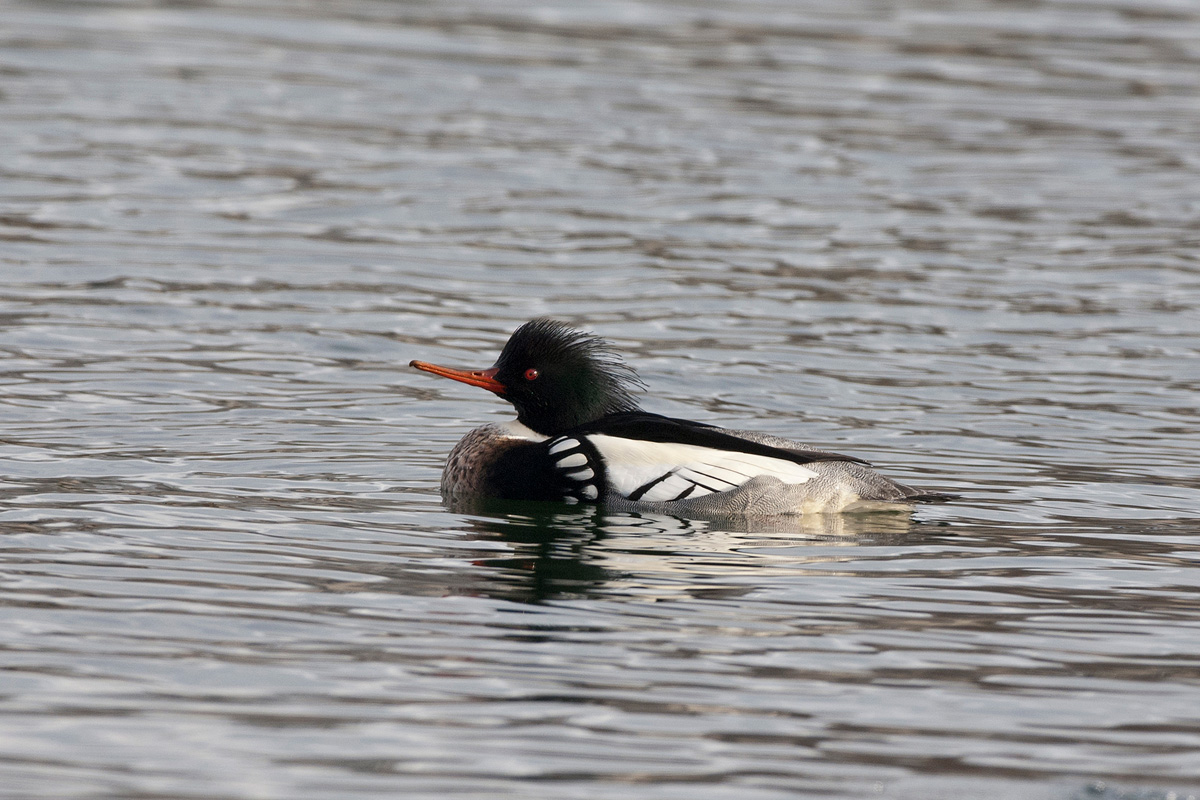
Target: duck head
[555, 376]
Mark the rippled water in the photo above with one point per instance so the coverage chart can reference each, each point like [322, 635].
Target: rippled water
[957, 239]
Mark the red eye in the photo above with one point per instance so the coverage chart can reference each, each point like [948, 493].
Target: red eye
[531, 374]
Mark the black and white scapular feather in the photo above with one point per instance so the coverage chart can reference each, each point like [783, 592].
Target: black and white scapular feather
[580, 437]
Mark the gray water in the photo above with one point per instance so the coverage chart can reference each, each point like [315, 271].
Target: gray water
[956, 239]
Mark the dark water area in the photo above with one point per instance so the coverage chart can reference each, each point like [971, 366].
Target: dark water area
[956, 239]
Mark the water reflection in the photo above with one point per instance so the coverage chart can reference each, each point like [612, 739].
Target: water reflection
[553, 552]
[559, 551]
[956, 239]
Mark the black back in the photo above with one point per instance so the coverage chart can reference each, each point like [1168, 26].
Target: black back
[649, 427]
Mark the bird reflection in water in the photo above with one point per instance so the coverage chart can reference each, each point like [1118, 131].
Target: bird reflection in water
[585, 551]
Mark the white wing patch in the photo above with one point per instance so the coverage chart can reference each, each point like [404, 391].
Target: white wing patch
[573, 460]
[576, 462]
[658, 472]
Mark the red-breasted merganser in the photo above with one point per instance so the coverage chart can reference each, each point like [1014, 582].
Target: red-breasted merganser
[579, 436]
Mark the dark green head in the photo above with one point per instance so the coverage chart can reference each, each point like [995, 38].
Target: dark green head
[555, 376]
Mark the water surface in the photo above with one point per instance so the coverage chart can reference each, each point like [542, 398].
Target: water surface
[958, 240]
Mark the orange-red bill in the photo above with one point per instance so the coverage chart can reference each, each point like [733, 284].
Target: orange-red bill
[475, 377]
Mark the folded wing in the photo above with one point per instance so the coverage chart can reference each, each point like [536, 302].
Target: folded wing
[651, 458]
[656, 471]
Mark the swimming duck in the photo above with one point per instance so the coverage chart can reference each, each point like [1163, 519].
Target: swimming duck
[580, 437]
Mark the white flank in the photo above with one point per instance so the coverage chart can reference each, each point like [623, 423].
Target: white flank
[632, 463]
